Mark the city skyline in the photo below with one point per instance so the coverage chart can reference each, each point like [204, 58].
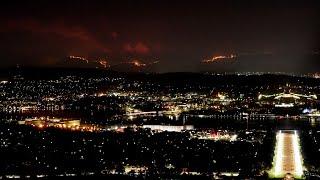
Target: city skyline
[150, 89]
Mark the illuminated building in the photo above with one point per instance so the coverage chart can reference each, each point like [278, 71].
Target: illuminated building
[286, 103]
[54, 122]
[168, 128]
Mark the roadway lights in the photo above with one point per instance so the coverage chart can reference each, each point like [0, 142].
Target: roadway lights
[287, 153]
[297, 155]
[279, 154]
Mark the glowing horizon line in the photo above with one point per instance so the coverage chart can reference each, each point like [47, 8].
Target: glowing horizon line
[220, 57]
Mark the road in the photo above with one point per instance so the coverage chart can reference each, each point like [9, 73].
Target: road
[288, 159]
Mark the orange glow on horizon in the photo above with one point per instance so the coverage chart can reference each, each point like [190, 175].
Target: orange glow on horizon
[219, 58]
[137, 63]
[104, 63]
[79, 58]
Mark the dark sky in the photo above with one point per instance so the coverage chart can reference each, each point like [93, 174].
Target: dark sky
[265, 36]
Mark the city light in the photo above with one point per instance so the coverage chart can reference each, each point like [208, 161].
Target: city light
[288, 158]
[188, 90]
[297, 155]
[287, 95]
[279, 154]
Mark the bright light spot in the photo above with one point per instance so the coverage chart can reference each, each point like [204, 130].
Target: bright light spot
[221, 96]
[297, 155]
[288, 159]
[137, 63]
[279, 154]
[104, 63]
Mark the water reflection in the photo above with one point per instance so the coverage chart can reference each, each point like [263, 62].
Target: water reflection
[231, 121]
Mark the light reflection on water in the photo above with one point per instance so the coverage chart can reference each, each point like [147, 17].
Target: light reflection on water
[221, 120]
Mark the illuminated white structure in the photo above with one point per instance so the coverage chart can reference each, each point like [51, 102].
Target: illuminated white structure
[288, 158]
[286, 100]
[297, 155]
[287, 95]
[168, 128]
[278, 154]
[284, 105]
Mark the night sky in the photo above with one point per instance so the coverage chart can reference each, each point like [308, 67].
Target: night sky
[264, 36]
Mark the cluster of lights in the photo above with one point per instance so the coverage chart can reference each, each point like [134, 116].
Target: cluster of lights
[279, 155]
[287, 95]
[74, 128]
[297, 156]
[43, 122]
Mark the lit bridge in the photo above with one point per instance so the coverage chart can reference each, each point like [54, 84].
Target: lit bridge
[151, 113]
